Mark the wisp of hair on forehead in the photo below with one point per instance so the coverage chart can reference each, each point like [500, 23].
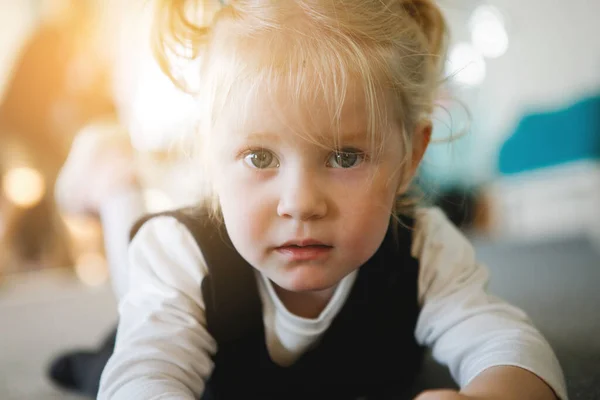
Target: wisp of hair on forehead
[311, 78]
[310, 51]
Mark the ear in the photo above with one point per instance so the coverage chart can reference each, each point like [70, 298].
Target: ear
[421, 139]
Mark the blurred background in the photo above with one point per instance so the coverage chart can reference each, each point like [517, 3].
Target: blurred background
[516, 165]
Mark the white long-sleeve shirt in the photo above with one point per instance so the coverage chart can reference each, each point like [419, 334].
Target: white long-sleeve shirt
[163, 349]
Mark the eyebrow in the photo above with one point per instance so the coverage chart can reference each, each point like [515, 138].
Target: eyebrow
[263, 136]
[352, 135]
[343, 137]
[346, 137]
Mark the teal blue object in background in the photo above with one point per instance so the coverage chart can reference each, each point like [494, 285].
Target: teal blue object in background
[554, 138]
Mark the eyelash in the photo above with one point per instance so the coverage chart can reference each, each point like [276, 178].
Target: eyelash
[343, 151]
[349, 152]
[254, 150]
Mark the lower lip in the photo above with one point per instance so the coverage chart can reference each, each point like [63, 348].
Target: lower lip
[308, 253]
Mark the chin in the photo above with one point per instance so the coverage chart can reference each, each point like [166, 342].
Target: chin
[297, 281]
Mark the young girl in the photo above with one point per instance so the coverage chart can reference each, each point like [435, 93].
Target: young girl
[308, 274]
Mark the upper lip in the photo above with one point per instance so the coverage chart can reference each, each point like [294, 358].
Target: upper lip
[304, 242]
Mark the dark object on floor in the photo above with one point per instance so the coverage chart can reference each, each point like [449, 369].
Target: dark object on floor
[80, 371]
[460, 206]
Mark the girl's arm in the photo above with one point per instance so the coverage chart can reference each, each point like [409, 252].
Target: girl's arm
[163, 349]
[477, 335]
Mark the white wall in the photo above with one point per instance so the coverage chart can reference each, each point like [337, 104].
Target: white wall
[553, 60]
[553, 202]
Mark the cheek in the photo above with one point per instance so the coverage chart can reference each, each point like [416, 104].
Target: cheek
[378, 190]
[362, 231]
[244, 227]
[234, 191]
[366, 213]
[244, 210]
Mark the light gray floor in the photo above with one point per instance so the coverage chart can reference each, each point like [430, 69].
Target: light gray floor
[41, 315]
[556, 283]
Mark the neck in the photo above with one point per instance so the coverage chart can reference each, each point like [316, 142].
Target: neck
[305, 304]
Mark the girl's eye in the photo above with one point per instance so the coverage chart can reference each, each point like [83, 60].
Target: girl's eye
[261, 159]
[345, 159]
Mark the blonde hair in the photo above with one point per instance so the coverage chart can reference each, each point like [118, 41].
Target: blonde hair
[315, 48]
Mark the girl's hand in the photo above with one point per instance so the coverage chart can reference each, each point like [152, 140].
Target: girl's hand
[443, 395]
[100, 165]
[502, 382]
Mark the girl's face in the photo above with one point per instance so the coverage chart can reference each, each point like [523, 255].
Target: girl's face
[301, 213]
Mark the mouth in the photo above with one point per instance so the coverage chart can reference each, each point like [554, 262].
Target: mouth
[304, 250]
[304, 243]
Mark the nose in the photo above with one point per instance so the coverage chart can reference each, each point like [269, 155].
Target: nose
[302, 198]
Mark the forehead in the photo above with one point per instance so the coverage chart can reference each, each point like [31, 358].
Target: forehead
[316, 116]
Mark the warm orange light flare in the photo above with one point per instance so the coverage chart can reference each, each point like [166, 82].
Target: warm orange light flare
[23, 186]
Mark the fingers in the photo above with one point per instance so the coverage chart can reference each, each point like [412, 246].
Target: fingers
[441, 395]
[101, 163]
